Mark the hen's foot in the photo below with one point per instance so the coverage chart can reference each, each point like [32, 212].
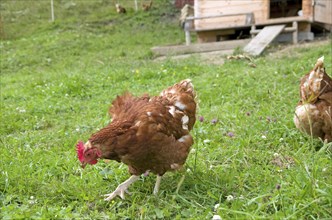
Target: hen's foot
[121, 189]
[157, 185]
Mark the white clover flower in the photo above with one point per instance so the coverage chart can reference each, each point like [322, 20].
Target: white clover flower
[32, 200]
[206, 141]
[229, 198]
[20, 110]
[216, 206]
[216, 217]
[263, 136]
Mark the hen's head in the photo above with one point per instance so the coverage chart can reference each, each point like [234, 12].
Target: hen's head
[87, 154]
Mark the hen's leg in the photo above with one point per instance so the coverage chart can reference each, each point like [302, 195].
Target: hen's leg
[122, 188]
[156, 187]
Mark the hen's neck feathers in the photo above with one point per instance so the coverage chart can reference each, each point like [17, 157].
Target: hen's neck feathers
[108, 133]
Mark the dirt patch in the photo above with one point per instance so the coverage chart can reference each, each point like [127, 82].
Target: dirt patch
[282, 50]
[215, 57]
[274, 51]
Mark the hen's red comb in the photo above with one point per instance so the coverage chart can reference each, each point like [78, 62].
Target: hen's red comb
[80, 151]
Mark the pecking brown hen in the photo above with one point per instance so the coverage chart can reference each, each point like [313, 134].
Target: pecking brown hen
[120, 9]
[313, 114]
[149, 134]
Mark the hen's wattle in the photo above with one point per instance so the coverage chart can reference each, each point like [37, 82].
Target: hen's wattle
[80, 151]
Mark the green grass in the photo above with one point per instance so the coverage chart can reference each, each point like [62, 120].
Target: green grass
[58, 80]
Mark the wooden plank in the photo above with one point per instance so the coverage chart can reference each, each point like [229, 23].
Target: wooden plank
[259, 14]
[229, 3]
[223, 21]
[307, 8]
[205, 8]
[198, 48]
[247, 6]
[217, 16]
[264, 38]
[220, 23]
[283, 20]
[240, 8]
[265, 12]
[275, 21]
[323, 11]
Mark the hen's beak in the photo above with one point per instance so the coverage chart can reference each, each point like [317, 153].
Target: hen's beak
[83, 164]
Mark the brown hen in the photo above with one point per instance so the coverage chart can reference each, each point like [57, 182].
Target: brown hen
[120, 9]
[313, 114]
[147, 7]
[149, 134]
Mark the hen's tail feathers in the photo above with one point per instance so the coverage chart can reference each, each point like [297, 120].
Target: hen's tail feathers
[319, 64]
[122, 104]
[119, 103]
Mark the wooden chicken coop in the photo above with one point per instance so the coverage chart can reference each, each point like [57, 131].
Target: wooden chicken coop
[218, 20]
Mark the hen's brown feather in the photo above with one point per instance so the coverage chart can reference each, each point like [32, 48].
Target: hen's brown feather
[313, 113]
[150, 133]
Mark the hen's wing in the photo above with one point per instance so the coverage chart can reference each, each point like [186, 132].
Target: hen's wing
[160, 132]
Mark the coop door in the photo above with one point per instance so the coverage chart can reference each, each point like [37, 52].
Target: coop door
[323, 11]
[285, 8]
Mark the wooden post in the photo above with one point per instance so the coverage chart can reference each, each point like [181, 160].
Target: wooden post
[187, 31]
[253, 30]
[295, 33]
[52, 11]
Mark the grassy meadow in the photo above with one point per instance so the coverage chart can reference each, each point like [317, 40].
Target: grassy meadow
[58, 80]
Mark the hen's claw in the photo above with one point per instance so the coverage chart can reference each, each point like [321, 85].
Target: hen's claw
[121, 189]
[118, 192]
